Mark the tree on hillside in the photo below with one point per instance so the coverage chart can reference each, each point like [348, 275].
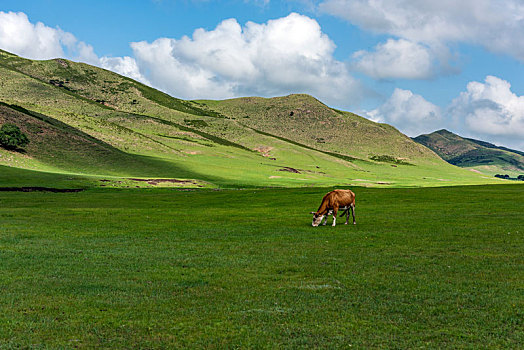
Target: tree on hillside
[11, 137]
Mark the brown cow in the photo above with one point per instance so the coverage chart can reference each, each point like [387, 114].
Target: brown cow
[331, 203]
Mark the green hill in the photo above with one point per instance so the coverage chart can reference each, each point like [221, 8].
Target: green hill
[105, 129]
[474, 154]
[303, 119]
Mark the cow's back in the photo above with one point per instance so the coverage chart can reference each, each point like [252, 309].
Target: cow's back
[340, 198]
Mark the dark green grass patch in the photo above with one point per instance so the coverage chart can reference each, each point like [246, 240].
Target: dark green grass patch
[423, 268]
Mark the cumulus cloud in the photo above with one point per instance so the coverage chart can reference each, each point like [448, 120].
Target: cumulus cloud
[490, 110]
[126, 66]
[487, 22]
[396, 59]
[409, 112]
[38, 41]
[286, 54]
[491, 24]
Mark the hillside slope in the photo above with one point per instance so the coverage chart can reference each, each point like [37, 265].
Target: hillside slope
[88, 121]
[303, 119]
[473, 154]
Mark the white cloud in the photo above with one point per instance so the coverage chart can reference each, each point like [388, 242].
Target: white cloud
[38, 41]
[126, 66]
[492, 24]
[428, 27]
[286, 54]
[410, 113]
[490, 110]
[85, 53]
[396, 59]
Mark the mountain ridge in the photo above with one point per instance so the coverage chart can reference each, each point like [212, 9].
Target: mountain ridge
[473, 154]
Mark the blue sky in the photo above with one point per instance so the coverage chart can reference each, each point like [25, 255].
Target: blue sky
[419, 65]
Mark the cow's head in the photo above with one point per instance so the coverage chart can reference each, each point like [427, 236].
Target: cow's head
[317, 219]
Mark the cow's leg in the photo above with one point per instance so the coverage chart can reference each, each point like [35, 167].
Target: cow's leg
[330, 212]
[326, 218]
[347, 215]
[353, 213]
[335, 210]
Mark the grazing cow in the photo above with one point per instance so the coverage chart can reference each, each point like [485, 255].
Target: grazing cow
[331, 203]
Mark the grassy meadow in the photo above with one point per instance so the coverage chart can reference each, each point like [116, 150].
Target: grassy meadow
[156, 268]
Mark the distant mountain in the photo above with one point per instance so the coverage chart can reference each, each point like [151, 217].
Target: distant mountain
[470, 153]
[85, 121]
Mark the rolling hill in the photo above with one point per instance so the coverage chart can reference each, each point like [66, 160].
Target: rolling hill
[101, 129]
[474, 154]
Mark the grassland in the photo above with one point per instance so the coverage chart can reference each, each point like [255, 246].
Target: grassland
[90, 123]
[423, 268]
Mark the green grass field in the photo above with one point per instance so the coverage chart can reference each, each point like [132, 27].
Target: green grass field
[423, 268]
